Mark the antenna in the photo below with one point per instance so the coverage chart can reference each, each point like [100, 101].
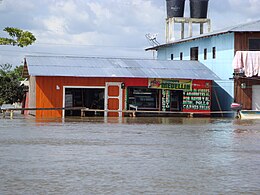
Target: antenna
[152, 39]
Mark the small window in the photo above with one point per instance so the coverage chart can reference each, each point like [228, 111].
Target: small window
[194, 53]
[254, 44]
[205, 53]
[214, 52]
[172, 56]
[181, 56]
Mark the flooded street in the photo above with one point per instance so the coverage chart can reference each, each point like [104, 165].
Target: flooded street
[129, 156]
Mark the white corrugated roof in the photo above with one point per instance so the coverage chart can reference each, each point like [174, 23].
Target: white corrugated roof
[117, 67]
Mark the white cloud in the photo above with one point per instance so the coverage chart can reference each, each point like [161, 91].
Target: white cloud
[100, 11]
[121, 24]
[69, 10]
[56, 25]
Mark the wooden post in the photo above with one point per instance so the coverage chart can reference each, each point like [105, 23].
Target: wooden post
[134, 114]
[11, 114]
[82, 113]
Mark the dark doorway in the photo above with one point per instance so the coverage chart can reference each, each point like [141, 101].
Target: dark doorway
[91, 98]
[176, 100]
[194, 53]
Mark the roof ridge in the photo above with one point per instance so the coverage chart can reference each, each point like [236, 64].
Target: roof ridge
[86, 57]
[243, 24]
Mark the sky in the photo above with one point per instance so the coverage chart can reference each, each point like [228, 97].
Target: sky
[103, 28]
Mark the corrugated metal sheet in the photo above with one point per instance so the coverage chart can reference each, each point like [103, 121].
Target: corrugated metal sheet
[112, 67]
[247, 27]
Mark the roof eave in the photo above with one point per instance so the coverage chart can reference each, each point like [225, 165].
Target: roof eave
[185, 40]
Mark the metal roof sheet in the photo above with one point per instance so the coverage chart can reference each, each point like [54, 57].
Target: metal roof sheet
[117, 67]
[246, 27]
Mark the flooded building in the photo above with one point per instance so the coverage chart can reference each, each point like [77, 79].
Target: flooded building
[112, 84]
[214, 49]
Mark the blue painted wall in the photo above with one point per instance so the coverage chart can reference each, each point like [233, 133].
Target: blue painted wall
[221, 65]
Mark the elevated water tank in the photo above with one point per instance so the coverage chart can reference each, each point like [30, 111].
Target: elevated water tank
[198, 8]
[175, 8]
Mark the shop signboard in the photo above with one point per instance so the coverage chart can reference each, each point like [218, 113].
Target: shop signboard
[199, 99]
[166, 100]
[170, 84]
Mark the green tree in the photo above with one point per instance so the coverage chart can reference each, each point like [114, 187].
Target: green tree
[18, 37]
[10, 89]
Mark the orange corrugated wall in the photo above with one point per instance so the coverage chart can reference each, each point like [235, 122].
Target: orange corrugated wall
[47, 96]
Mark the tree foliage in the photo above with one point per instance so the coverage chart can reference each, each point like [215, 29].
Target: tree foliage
[18, 37]
[10, 89]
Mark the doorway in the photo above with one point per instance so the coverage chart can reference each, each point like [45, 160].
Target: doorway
[176, 100]
[113, 99]
[92, 98]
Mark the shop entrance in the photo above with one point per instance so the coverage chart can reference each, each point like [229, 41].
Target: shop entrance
[92, 98]
[172, 100]
[176, 100]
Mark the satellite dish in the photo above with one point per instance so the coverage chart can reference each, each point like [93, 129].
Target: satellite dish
[152, 39]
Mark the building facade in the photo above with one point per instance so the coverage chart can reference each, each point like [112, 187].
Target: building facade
[216, 50]
[116, 85]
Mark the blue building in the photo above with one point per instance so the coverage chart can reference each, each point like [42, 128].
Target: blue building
[216, 50]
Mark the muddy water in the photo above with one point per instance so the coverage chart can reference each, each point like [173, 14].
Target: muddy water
[129, 156]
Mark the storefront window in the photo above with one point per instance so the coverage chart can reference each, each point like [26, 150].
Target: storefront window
[143, 98]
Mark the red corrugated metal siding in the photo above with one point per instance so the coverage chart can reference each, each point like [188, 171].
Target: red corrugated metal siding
[47, 96]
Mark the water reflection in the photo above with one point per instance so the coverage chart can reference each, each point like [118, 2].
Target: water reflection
[246, 126]
[129, 156]
[141, 120]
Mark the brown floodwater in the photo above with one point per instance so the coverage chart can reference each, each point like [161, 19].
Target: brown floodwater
[129, 156]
